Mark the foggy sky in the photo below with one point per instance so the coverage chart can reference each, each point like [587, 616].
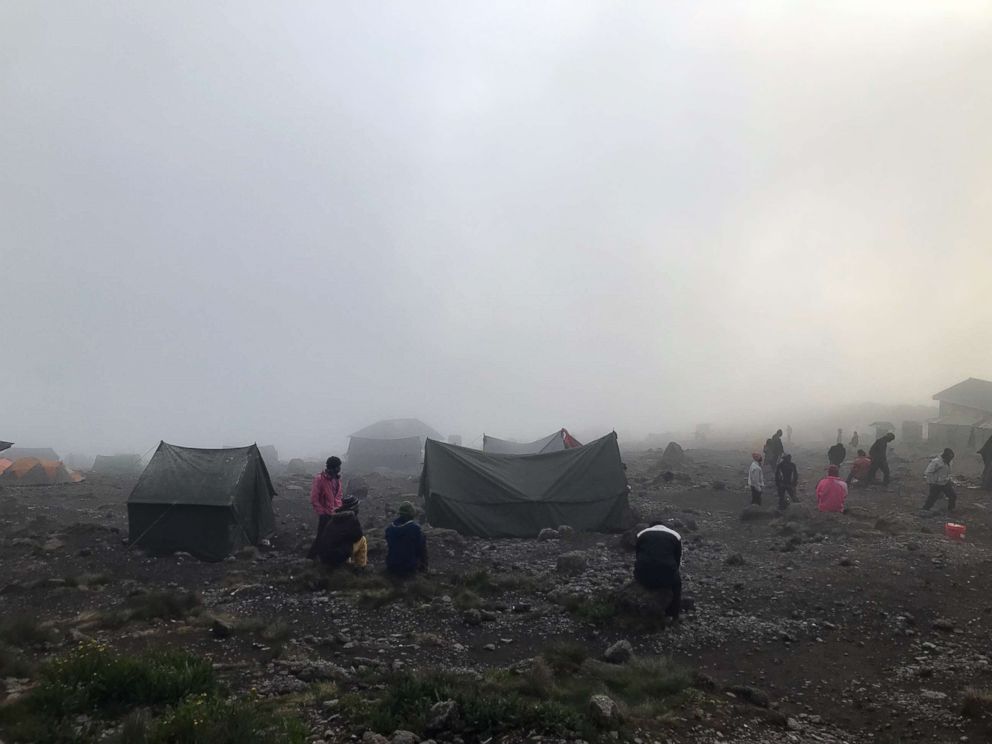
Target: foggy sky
[278, 222]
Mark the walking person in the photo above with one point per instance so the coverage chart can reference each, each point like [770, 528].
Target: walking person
[326, 495]
[837, 454]
[774, 449]
[658, 564]
[938, 475]
[855, 441]
[879, 454]
[756, 478]
[786, 480]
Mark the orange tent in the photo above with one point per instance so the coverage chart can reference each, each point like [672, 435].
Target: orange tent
[4, 464]
[30, 471]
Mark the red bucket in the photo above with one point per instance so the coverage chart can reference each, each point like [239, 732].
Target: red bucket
[955, 531]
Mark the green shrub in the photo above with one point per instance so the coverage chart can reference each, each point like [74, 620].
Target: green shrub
[201, 719]
[95, 679]
[24, 630]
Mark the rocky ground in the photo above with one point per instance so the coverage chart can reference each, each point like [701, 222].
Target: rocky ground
[866, 627]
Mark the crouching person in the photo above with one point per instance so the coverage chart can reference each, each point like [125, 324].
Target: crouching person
[406, 544]
[343, 540]
[658, 563]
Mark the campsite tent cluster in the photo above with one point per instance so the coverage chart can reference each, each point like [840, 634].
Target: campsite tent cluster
[33, 467]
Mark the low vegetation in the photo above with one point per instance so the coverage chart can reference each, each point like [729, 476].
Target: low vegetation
[93, 684]
[977, 703]
[152, 606]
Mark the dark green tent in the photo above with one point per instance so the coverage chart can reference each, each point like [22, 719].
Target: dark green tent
[489, 495]
[208, 502]
[392, 455]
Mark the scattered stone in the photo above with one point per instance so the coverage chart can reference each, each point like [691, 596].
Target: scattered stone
[933, 696]
[405, 737]
[443, 717]
[942, 623]
[221, 628]
[634, 600]
[371, 737]
[565, 532]
[793, 725]
[751, 695]
[547, 534]
[754, 513]
[619, 653]
[472, 617]
[572, 563]
[734, 559]
[604, 710]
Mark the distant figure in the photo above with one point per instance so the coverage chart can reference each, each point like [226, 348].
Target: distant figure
[837, 454]
[326, 495]
[774, 449]
[756, 478]
[986, 453]
[786, 480]
[879, 454]
[938, 475]
[342, 539]
[788, 435]
[658, 563]
[859, 469]
[831, 492]
[855, 441]
[840, 436]
[406, 545]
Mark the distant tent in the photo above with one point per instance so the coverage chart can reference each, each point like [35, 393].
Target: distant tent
[495, 495]
[5, 463]
[398, 429]
[31, 471]
[396, 455]
[560, 440]
[208, 502]
[117, 464]
[392, 445]
[42, 453]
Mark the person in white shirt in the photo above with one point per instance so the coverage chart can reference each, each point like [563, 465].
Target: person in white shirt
[938, 475]
[756, 478]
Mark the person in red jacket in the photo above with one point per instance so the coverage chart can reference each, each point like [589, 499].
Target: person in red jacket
[831, 492]
[326, 495]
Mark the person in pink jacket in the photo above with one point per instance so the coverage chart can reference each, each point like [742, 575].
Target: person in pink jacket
[326, 495]
[831, 492]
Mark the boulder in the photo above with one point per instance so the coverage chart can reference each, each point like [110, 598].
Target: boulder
[443, 716]
[628, 540]
[405, 737]
[547, 534]
[565, 532]
[751, 695]
[634, 600]
[604, 710]
[221, 628]
[371, 737]
[619, 653]
[572, 563]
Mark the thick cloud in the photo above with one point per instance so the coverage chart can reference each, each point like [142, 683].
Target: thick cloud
[278, 222]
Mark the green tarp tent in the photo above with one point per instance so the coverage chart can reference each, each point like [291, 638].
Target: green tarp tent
[393, 455]
[552, 443]
[491, 495]
[208, 502]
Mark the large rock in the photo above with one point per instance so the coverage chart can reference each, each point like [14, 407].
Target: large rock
[572, 563]
[547, 534]
[371, 737]
[628, 540]
[634, 600]
[604, 710]
[443, 716]
[405, 737]
[565, 532]
[619, 653]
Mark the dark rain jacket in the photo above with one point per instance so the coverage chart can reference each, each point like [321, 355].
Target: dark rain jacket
[337, 539]
[406, 547]
[658, 557]
[879, 451]
[786, 474]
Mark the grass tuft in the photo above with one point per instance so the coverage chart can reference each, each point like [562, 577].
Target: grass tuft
[977, 703]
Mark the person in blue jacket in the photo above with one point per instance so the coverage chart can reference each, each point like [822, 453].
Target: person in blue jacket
[406, 544]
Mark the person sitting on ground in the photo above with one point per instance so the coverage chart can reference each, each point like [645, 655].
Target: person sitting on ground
[786, 480]
[831, 492]
[756, 478]
[325, 497]
[938, 475]
[859, 469]
[658, 563]
[342, 540]
[837, 454]
[879, 454]
[406, 544]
